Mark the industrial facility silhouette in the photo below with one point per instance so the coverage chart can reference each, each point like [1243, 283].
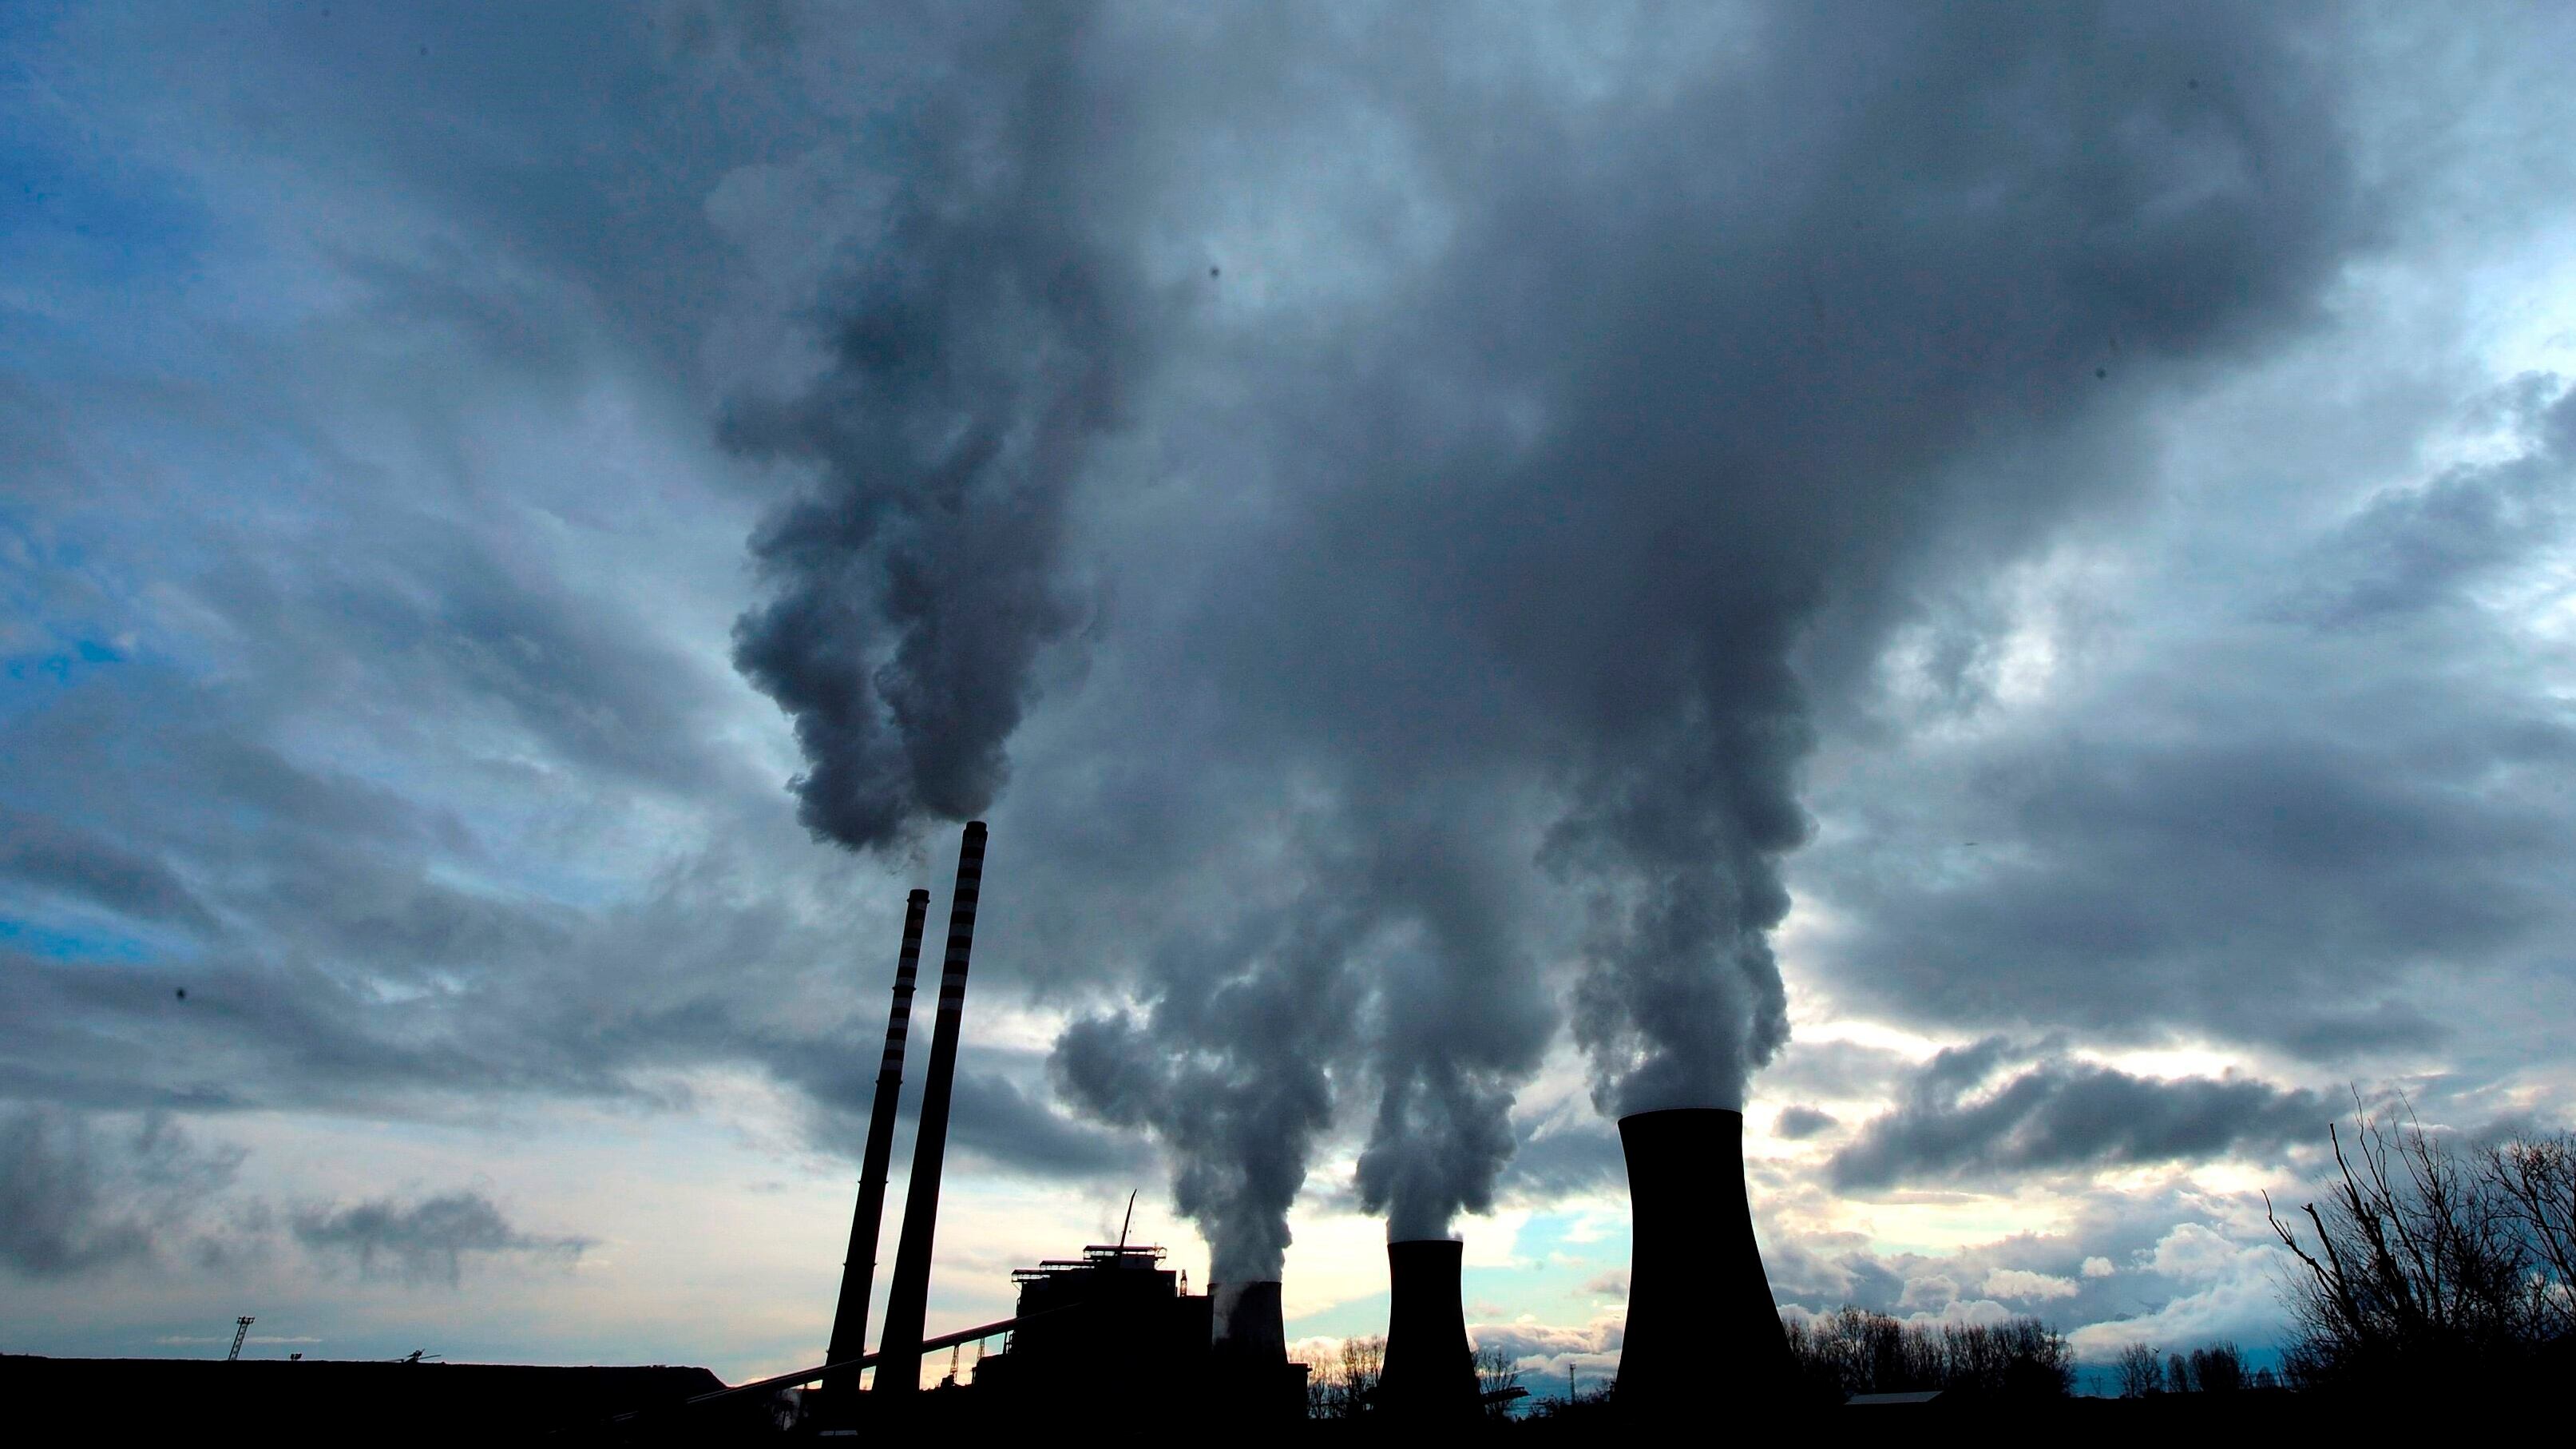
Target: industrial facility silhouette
[1700, 1305]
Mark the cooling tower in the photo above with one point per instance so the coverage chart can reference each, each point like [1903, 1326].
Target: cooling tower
[1703, 1336]
[1250, 1380]
[1245, 1329]
[1430, 1373]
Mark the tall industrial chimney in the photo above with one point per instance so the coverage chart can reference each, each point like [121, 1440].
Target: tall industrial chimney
[1702, 1329]
[1430, 1373]
[859, 1265]
[908, 1300]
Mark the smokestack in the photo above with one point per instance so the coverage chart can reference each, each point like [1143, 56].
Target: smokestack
[859, 1265]
[1702, 1328]
[1430, 1373]
[908, 1300]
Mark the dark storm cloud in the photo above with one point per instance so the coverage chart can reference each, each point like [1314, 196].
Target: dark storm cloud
[1836, 1070]
[85, 1195]
[1564, 1160]
[412, 723]
[354, 968]
[1799, 1123]
[999, 1111]
[76, 1198]
[2060, 1114]
[454, 618]
[428, 1241]
[2346, 796]
[2423, 548]
[50, 855]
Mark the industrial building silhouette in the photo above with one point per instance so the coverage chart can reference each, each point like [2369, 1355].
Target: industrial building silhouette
[1700, 1315]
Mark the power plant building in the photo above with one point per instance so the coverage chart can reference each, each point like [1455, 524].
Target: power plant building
[1104, 1317]
[1085, 1325]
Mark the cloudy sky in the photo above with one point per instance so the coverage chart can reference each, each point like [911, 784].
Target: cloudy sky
[1990, 587]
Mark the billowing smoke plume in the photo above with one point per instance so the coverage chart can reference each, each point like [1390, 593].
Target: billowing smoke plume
[1550, 416]
[976, 352]
[1229, 1069]
[1397, 964]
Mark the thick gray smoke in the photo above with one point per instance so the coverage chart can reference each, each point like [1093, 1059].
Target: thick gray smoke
[1229, 1069]
[1579, 401]
[977, 350]
[1398, 964]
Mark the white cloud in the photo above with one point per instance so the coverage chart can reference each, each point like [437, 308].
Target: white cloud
[2242, 1308]
[2098, 1268]
[1966, 1312]
[2197, 1252]
[2022, 1283]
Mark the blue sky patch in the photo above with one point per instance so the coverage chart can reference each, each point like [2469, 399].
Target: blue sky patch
[62, 945]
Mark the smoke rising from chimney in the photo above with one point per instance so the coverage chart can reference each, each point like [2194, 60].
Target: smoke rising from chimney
[1489, 540]
[976, 352]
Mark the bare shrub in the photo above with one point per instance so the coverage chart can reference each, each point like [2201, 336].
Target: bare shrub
[2423, 1263]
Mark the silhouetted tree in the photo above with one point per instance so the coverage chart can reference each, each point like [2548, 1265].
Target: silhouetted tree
[2177, 1374]
[2140, 1374]
[1496, 1372]
[1854, 1351]
[2218, 1369]
[2421, 1265]
[2535, 1183]
[1339, 1387]
[1320, 1388]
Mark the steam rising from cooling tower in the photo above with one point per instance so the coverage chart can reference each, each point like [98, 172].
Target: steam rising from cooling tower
[1392, 967]
[1453, 584]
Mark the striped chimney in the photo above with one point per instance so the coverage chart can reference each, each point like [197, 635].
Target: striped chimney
[908, 1299]
[859, 1265]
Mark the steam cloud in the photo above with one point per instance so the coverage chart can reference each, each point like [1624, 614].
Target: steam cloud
[1570, 417]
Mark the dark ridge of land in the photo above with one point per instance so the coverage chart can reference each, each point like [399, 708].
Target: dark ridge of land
[277, 1401]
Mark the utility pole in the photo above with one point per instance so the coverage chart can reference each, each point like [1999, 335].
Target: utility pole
[241, 1330]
